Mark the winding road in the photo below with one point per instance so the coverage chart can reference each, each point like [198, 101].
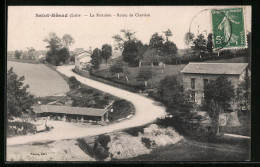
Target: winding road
[146, 111]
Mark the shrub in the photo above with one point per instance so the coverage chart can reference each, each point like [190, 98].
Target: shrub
[188, 125]
[104, 140]
[97, 94]
[86, 91]
[135, 130]
[73, 83]
[101, 103]
[147, 142]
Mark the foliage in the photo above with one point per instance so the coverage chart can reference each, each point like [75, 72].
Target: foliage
[73, 83]
[188, 125]
[151, 55]
[170, 51]
[67, 40]
[243, 93]
[58, 48]
[218, 95]
[147, 142]
[200, 42]
[17, 54]
[128, 35]
[209, 43]
[116, 68]
[103, 140]
[167, 33]
[156, 41]
[171, 93]
[30, 51]
[106, 52]
[145, 74]
[188, 38]
[135, 130]
[96, 58]
[131, 51]
[19, 101]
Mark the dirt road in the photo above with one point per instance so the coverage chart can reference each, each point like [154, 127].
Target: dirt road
[147, 111]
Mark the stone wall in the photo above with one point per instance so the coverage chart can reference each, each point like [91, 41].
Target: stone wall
[199, 83]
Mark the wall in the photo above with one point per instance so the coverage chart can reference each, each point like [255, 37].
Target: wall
[199, 85]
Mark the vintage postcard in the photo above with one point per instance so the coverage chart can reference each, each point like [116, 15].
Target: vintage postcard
[128, 83]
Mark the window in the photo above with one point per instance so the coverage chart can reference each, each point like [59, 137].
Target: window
[192, 96]
[192, 83]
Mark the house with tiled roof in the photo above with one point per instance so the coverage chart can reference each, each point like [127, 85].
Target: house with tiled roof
[197, 75]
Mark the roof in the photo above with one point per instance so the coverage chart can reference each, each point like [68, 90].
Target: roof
[69, 110]
[215, 68]
[83, 56]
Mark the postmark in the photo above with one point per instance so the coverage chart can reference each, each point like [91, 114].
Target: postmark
[228, 28]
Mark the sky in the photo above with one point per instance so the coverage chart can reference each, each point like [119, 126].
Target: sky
[27, 30]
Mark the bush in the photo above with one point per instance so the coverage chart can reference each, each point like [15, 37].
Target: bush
[188, 125]
[147, 142]
[104, 140]
[73, 83]
[28, 128]
[101, 103]
[135, 130]
[86, 91]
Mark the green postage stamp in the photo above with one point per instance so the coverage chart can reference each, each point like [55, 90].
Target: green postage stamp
[228, 28]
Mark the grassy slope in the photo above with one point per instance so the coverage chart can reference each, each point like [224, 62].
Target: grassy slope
[195, 151]
[170, 70]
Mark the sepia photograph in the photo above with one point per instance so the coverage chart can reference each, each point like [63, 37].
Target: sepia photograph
[128, 83]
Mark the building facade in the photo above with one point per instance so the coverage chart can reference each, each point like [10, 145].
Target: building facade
[197, 75]
[82, 60]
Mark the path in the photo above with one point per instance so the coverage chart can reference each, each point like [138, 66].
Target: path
[146, 111]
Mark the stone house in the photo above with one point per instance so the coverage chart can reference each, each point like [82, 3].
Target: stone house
[197, 75]
[82, 60]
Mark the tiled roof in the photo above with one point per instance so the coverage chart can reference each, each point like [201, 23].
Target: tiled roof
[215, 68]
[69, 110]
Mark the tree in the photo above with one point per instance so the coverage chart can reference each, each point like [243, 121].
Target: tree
[188, 38]
[67, 40]
[144, 74]
[151, 56]
[170, 51]
[30, 51]
[200, 42]
[63, 54]
[17, 54]
[131, 51]
[19, 101]
[167, 33]
[128, 35]
[243, 93]
[106, 52]
[58, 48]
[171, 93]
[54, 42]
[96, 58]
[117, 68]
[209, 44]
[156, 41]
[218, 95]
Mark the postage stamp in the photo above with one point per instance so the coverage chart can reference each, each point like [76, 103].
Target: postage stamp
[228, 28]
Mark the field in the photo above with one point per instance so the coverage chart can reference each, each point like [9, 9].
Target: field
[157, 74]
[42, 80]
